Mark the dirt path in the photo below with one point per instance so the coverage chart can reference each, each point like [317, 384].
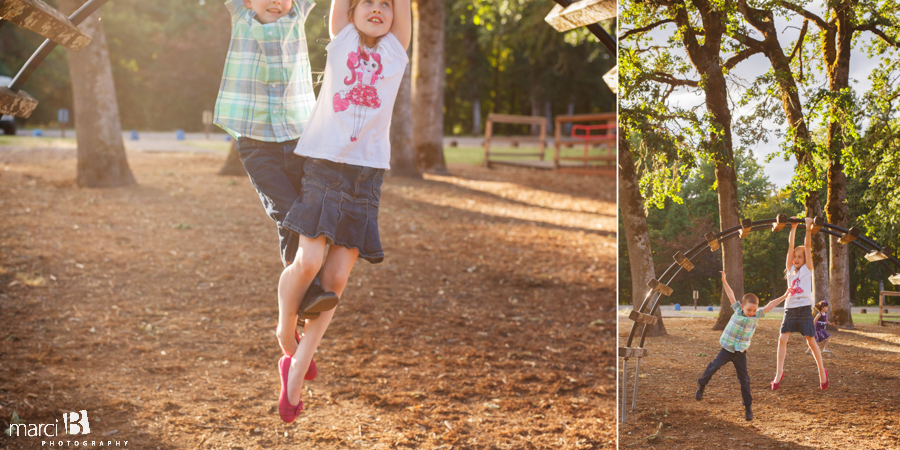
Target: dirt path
[489, 325]
[859, 410]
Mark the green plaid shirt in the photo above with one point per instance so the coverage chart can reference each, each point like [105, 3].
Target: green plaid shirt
[737, 334]
[266, 91]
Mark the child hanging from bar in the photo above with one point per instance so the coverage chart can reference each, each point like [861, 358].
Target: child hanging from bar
[735, 341]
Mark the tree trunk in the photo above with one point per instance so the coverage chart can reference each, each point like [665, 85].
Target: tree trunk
[840, 254]
[403, 156]
[819, 249]
[101, 152]
[428, 84]
[836, 208]
[707, 59]
[640, 255]
[233, 165]
[732, 253]
[763, 20]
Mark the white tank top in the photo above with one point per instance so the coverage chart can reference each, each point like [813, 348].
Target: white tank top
[351, 121]
[800, 286]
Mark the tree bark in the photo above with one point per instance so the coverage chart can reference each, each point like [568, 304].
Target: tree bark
[763, 20]
[101, 151]
[403, 156]
[838, 69]
[233, 165]
[637, 236]
[428, 84]
[706, 58]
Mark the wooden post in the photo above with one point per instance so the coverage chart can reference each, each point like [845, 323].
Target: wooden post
[557, 141]
[207, 121]
[543, 138]
[487, 141]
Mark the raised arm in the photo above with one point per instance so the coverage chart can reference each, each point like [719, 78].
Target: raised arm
[808, 244]
[790, 254]
[769, 306]
[402, 27]
[727, 288]
[339, 16]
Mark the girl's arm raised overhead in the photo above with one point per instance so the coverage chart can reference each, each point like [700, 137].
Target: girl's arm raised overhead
[808, 244]
[790, 254]
[402, 27]
[339, 16]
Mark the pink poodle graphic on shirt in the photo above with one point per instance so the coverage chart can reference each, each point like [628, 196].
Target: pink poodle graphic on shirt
[365, 70]
[795, 287]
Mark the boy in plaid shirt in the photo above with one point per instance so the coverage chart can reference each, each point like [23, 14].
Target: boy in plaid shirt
[735, 341]
[265, 101]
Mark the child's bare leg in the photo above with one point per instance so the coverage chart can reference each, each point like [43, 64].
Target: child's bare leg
[818, 355]
[334, 278]
[295, 279]
[782, 351]
[825, 344]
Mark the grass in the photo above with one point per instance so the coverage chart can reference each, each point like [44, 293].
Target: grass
[857, 318]
[28, 141]
[475, 155]
[220, 146]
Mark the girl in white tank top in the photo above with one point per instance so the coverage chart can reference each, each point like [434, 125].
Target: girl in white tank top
[798, 306]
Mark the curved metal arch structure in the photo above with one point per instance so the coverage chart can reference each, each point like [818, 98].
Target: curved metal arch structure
[684, 262]
[57, 28]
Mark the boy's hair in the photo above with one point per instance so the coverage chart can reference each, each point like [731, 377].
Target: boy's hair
[362, 37]
[750, 298]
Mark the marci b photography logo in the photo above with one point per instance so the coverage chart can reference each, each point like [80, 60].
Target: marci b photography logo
[73, 424]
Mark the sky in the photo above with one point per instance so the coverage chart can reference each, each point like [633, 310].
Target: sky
[778, 170]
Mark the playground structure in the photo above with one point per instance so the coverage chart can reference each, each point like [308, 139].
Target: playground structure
[582, 134]
[41, 18]
[883, 317]
[684, 262]
[568, 15]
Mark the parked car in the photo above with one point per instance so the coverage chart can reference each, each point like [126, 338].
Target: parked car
[7, 122]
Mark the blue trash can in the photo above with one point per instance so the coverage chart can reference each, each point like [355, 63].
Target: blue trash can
[134, 135]
[677, 307]
[179, 135]
[37, 133]
[709, 308]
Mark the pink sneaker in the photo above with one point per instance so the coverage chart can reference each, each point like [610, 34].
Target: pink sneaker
[287, 411]
[313, 370]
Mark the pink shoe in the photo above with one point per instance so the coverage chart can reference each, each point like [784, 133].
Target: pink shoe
[824, 385]
[775, 385]
[313, 370]
[287, 411]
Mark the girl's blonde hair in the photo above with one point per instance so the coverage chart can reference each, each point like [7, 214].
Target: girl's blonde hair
[362, 37]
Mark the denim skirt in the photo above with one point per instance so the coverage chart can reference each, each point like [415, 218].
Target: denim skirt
[339, 201]
[799, 320]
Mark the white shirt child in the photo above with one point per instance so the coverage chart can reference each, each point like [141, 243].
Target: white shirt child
[351, 121]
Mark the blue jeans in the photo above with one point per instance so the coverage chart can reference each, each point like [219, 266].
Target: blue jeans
[277, 174]
[739, 359]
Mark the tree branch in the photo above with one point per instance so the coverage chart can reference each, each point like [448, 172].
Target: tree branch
[799, 40]
[670, 80]
[808, 15]
[873, 28]
[645, 29]
[743, 54]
